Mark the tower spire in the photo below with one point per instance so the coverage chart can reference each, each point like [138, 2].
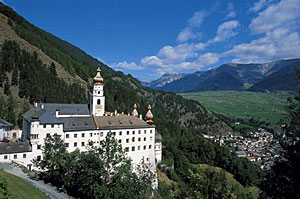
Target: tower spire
[98, 80]
[149, 115]
[134, 112]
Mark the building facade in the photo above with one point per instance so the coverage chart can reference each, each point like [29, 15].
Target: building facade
[78, 124]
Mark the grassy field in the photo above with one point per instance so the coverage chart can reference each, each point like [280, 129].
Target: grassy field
[268, 107]
[19, 189]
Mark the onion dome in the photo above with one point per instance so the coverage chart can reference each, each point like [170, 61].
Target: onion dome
[158, 137]
[35, 115]
[98, 78]
[149, 115]
[134, 112]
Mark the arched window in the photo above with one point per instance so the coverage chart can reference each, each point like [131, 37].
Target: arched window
[98, 102]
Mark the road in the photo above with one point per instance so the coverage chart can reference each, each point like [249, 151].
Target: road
[51, 191]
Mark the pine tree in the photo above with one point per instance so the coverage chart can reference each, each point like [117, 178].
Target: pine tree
[6, 86]
[15, 77]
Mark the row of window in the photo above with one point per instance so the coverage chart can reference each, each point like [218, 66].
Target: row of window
[138, 148]
[24, 156]
[133, 139]
[75, 144]
[45, 126]
[114, 133]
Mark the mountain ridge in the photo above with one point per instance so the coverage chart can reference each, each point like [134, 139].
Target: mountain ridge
[247, 74]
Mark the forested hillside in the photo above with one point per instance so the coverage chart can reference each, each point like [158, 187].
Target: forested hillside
[37, 66]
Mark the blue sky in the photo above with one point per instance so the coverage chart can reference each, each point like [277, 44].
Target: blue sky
[148, 38]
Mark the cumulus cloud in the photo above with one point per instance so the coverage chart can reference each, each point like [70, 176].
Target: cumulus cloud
[276, 44]
[259, 5]
[225, 31]
[231, 11]
[284, 13]
[190, 32]
[127, 66]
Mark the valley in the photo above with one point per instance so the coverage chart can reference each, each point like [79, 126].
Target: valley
[267, 107]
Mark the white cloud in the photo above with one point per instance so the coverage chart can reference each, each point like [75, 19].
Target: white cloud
[207, 59]
[127, 66]
[276, 44]
[152, 61]
[284, 13]
[231, 11]
[225, 31]
[259, 5]
[189, 31]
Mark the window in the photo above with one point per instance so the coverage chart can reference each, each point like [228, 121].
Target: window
[91, 134]
[151, 138]
[120, 133]
[39, 146]
[67, 135]
[44, 126]
[67, 145]
[145, 147]
[139, 131]
[52, 125]
[147, 159]
[139, 148]
[127, 149]
[145, 131]
[114, 133]
[120, 141]
[127, 133]
[150, 131]
[75, 135]
[139, 139]
[133, 139]
[82, 135]
[5, 157]
[144, 138]
[150, 146]
[133, 148]
[101, 134]
[82, 143]
[98, 102]
[15, 156]
[34, 136]
[14, 135]
[75, 144]
[133, 132]
[38, 158]
[127, 140]
[95, 133]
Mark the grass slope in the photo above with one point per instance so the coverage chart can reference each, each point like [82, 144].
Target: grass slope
[19, 189]
[268, 107]
[231, 182]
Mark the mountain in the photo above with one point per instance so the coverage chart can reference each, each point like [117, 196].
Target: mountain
[163, 80]
[229, 76]
[36, 66]
[284, 79]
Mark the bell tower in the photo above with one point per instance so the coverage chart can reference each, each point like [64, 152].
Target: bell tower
[97, 101]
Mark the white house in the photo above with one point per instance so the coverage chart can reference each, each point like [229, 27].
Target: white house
[5, 128]
[77, 124]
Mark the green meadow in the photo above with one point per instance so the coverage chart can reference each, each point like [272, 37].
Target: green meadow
[268, 107]
[19, 189]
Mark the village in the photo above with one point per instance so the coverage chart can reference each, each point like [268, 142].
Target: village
[260, 147]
